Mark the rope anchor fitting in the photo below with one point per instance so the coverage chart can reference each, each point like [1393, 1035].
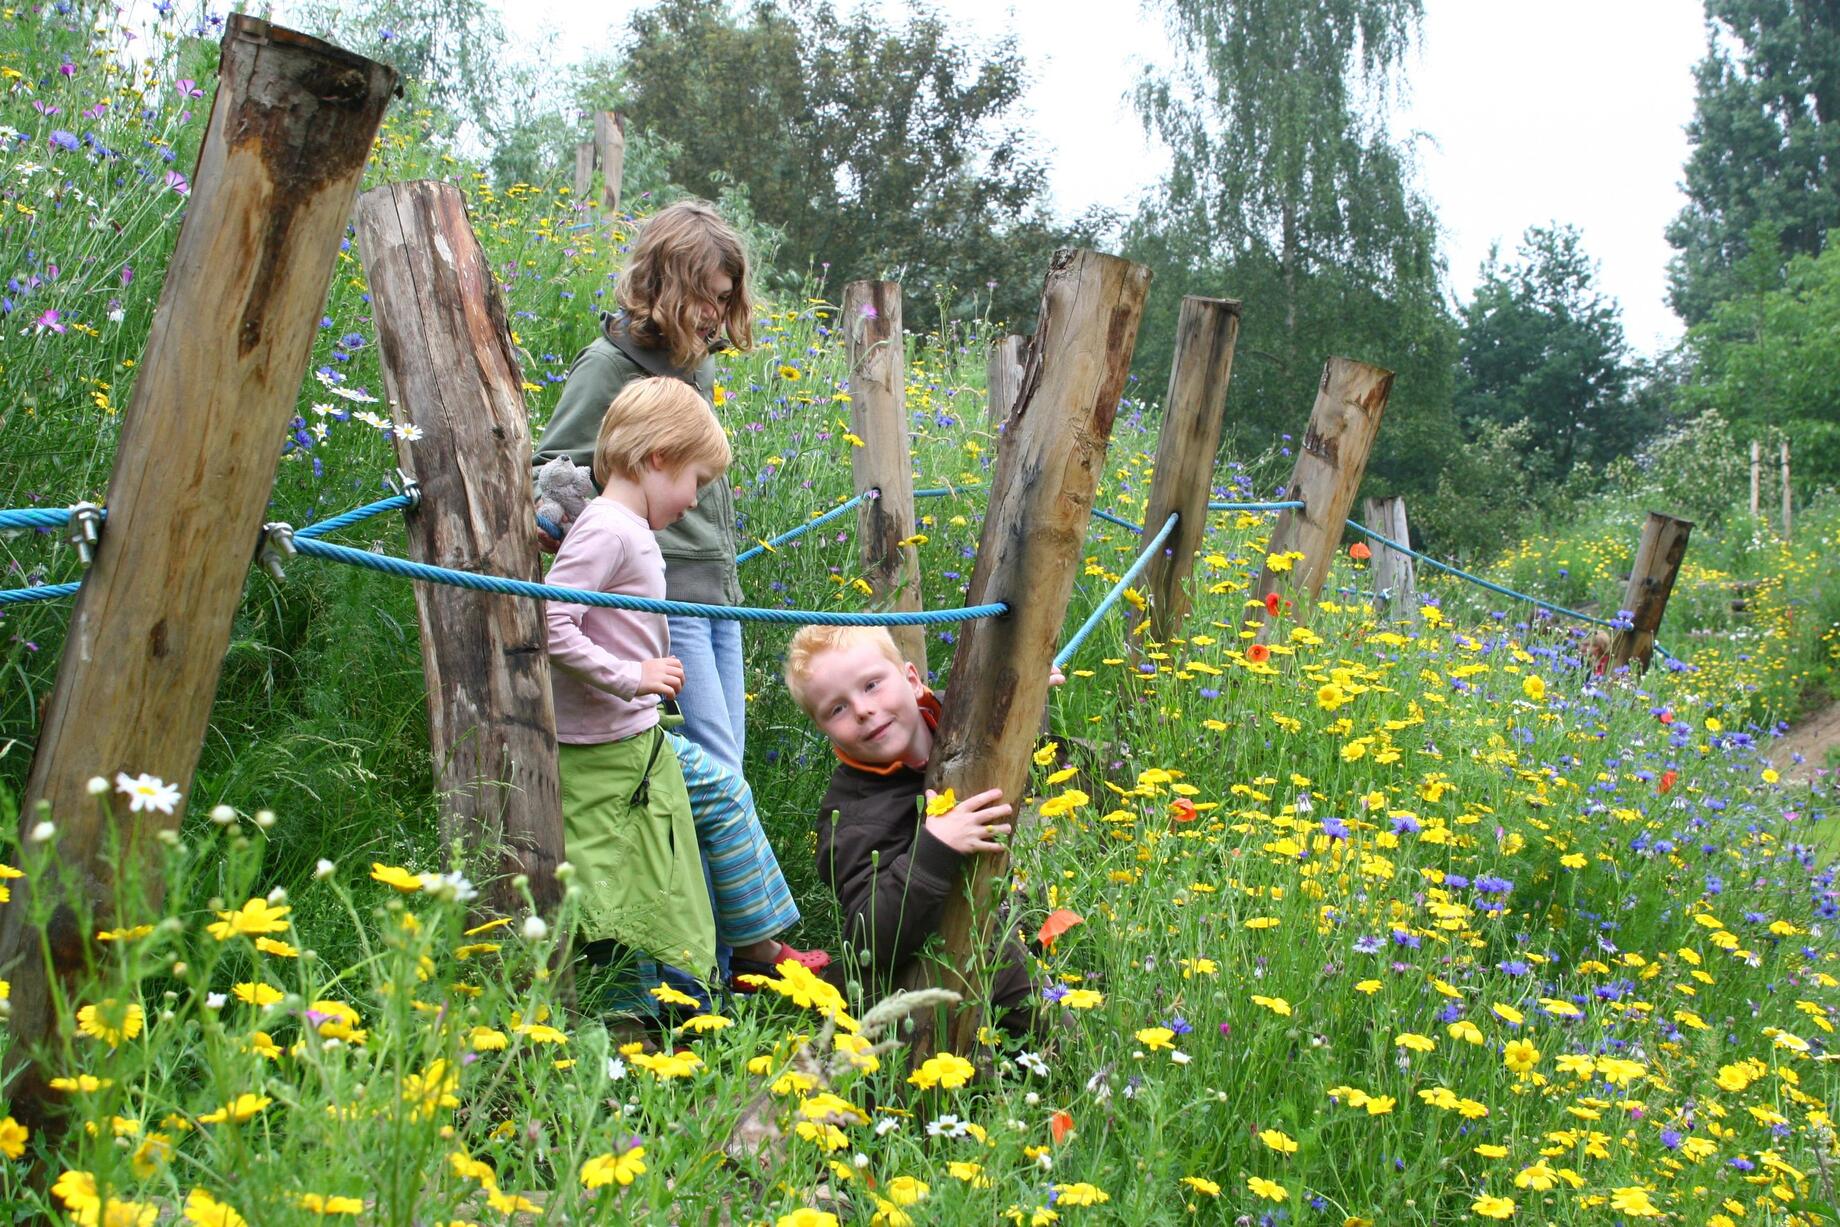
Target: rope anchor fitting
[84, 529]
[406, 486]
[276, 545]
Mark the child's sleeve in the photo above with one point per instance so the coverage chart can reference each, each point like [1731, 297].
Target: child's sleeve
[588, 559]
[891, 886]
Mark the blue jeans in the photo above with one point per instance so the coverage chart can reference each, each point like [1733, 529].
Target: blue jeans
[715, 693]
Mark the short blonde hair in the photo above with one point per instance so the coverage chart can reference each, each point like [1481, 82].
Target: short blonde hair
[810, 642]
[658, 416]
[679, 252]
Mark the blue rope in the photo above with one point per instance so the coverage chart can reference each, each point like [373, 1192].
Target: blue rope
[793, 534]
[1102, 514]
[405, 569]
[43, 592]
[1111, 598]
[34, 517]
[357, 514]
[1293, 505]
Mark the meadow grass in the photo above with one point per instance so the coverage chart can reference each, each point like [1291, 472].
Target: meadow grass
[1382, 921]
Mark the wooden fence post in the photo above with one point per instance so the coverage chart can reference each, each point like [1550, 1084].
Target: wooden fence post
[450, 370]
[882, 465]
[1349, 401]
[1787, 501]
[584, 171]
[1033, 539]
[1394, 573]
[291, 126]
[610, 145]
[1193, 412]
[1651, 582]
[1003, 376]
[1756, 477]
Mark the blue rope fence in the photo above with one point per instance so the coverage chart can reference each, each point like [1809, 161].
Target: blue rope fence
[793, 534]
[1111, 598]
[34, 517]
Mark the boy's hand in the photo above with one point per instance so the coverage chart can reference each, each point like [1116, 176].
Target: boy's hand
[1056, 677]
[970, 825]
[664, 676]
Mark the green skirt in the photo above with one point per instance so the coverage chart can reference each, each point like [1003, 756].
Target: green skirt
[627, 829]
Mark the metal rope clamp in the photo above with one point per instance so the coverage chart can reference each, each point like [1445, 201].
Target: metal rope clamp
[84, 529]
[406, 486]
[277, 544]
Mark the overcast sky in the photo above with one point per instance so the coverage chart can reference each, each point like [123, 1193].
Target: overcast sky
[1525, 114]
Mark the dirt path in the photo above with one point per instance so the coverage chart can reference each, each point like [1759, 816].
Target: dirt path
[1813, 738]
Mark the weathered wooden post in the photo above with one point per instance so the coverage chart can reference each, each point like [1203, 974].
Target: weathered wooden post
[1034, 536]
[1394, 573]
[1346, 417]
[1193, 411]
[1788, 503]
[1756, 477]
[610, 147]
[882, 466]
[450, 371]
[1651, 582]
[291, 126]
[1003, 376]
[584, 171]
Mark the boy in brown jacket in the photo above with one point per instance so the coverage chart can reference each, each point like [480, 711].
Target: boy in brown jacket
[890, 865]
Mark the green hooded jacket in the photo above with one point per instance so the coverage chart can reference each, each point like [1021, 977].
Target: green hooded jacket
[699, 550]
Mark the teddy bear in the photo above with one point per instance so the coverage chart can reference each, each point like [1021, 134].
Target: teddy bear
[563, 490]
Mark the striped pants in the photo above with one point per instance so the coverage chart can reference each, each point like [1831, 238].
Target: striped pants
[750, 895]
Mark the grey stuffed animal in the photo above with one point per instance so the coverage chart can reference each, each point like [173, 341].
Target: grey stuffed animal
[563, 490]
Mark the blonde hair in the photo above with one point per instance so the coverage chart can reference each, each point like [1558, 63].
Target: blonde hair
[810, 642]
[660, 417]
[679, 252]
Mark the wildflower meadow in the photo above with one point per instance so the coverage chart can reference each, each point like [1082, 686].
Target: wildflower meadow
[1391, 916]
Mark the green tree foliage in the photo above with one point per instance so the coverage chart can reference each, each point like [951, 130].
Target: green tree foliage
[1542, 344]
[1769, 361]
[1287, 192]
[879, 150]
[1766, 144]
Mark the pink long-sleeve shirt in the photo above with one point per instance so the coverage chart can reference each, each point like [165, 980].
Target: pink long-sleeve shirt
[594, 653]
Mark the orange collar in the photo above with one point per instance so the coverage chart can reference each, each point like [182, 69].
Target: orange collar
[929, 712]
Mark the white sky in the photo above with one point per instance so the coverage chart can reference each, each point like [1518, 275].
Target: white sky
[1564, 110]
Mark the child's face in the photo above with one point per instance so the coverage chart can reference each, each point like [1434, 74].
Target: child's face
[869, 706]
[712, 307]
[670, 490]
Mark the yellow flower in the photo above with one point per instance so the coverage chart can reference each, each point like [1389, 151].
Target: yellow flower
[1277, 563]
[942, 803]
[1770, 776]
[971, 1173]
[1490, 1151]
[13, 1136]
[1415, 1041]
[1534, 687]
[281, 950]
[805, 1216]
[1082, 998]
[1367, 986]
[1520, 1056]
[1278, 1141]
[256, 993]
[1046, 753]
[335, 1020]
[1465, 1030]
[944, 1070]
[316, 1203]
[1081, 1194]
[1203, 1185]
[1493, 1207]
[203, 1210]
[1268, 1189]
[1277, 1005]
[541, 1033]
[255, 917]
[907, 1191]
[666, 1066]
[83, 1083]
[887, 1214]
[263, 1045]
[1066, 803]
[607, 1169]
[237, 1110]
[396, 877]
[1154, 1038]
[111, 1021]
[486, 1039]
[1507, 1013]
[1633, 1200]
[124, 935]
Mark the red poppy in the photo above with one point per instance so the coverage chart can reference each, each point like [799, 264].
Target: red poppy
[1359, 551]
[1667, 717]
[1058, 922]
[1666, 782]
[1271, 604]
[1183, 809]
[1060, 1125]
[1258, 653]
